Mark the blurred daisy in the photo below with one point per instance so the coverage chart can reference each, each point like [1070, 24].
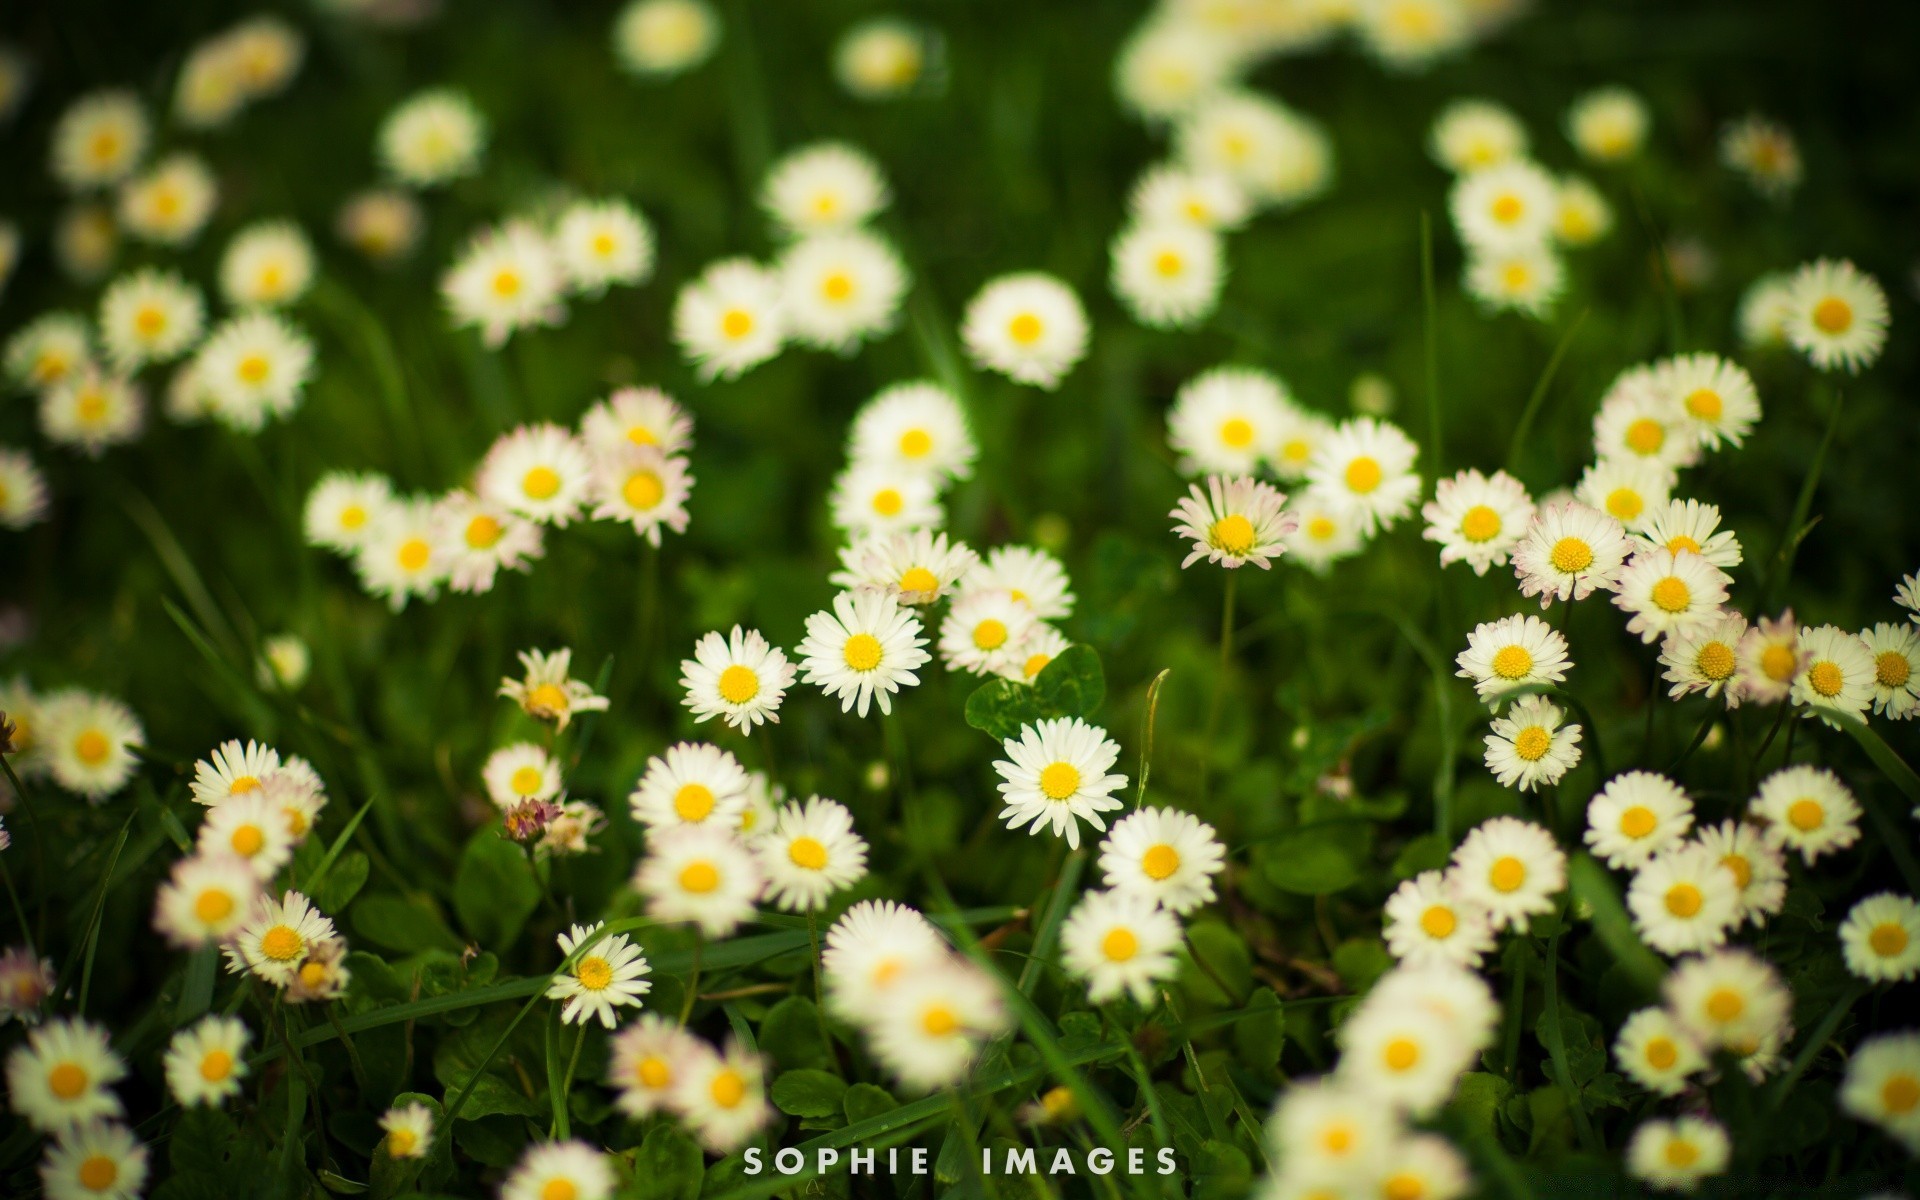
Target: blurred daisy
[1907, 596]
[384, 224]
[642, 487]
[1764, 152]
[1641, 419]
[1569, 550]
[1366, 467]
[1329, 1133]
[1882, 1085]
[25, 981]
[1727, 998]
[205, 900]
[60, 1076]
[1425, 1166]
[23, 490]
[764, 798]
[648, 1057]
[935, 1023]
[701, 874]
[1807, 809]
[1757, 867]
[477, 539]
[1581, 215]
[722, 1097]
[1668, 593]
[87, 741]
[598, 244]
[571, 1170]
[1120, 942]
[206, 1062]
[1716, 399]
[1688, 526]
[915, 567]
[1839, 672]
[1684, 900]
[729, 320]
[1168, 275]
[547, 690]
[1895, 650]
[1704, 657]
[433, 137]
[1512, 869]
[254, 367]
[692, 783]
[86, 239]
[1529, 746]
[607, 972]
[1234, 522]
[824, 188]
[872, 952]
[1028, 326]
[1324, 535]
[1277, 156]
[540, 471]
[883, 57]
[49, 350]
[983, 630]
[1170, 192]
[1472, 135]
[401, 557]
[915, 426]
[149, 316]
[1227, 420]
[839, 288]
[267, 53]
[252, 828]
[739, 677]
[95, 1160]
[1836, 315]
[1637, 815]
[1409, 35]
[1035, 578]
[507, 278]
[811, 853]
[863, 650]
[873, 499]
[636, 416]
[277, 938]
[1656, 1053]
[1509, 206]
[1524, 279]
[267, 263]
[99, 139]
[1034, 652]
[1881, 938]
[407, 1131]
[520, 772]
[1674, 1156]
[1428, 921]
[1630, 490]
[1764, 309]
[92, 411]
[1168, 66]
[1055, 774]
[1512, 653]
[1403, 1055]
[1608, 125]
[1165, 855]
[1476, 519]
[1771, 658]
[171, 202]
[660, 38]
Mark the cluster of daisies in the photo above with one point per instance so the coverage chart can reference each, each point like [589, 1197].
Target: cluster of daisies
[517, 274]
[626, 463]
[85, 742]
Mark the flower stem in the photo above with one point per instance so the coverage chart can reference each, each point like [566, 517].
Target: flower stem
[819, 998]
[353, 1053]
[1219, 682]
[693, 978]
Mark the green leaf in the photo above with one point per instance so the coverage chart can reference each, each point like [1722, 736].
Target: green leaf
[404, 925]
[791, 1035]
[1478, 1097]
[865, 1102]
[1315, 862]
[1000, 707]
[1220, 1171]
[668, 1166]
[1259, 1037]
[342, 883]
[1360, 961]
[494, 1096]
[1072, 685]
[1594, 891]
[809, 1093]
[494, 891]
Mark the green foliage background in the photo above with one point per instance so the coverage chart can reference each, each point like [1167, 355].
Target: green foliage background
[166, 562]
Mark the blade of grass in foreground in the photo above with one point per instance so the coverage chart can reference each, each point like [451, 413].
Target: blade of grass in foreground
[1782, 566]
[1539, 396]
[1588, 881]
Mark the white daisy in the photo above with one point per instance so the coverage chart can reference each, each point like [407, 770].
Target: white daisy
[1234, 522]
[1764, 308]
[883, 57]
[1771, 658]
[662, 38]
[149, 316]
[1366, 467]
[1881, 938]
[171, 202]
[863, 650]
[384, 224]
[738, 677]
[1764, 152]
[1608, 124]
[636, 416]
[691, 783]
[1714, 399]
[1907, 596]
[253, 828]
[407, 1131]
[432, 138]
[1807, 809]
[571, 1170]
[1512, 653]
[1409, 35]
[1120, 942]
[277, 938]
[1428, 921]
[254, 367]
[607, 973]
[344, 508]
[1704, 657]
[840, 288]
[1656, 1053]
[520, 772]
[95, 1160]
[811, 853]
[60, 1076]
[1669, 593]
[508, 277]
[1630, 490]
[1472, 135]
[1524, 279]
[206, 900]
[1508, 206]
[1227, 420]
[1512, 869]
[1758, 867]
[1028, 326]
[871, 953]
[1168, 856]
[703, 874]
[1329, 1134]
[1688, 526]
[540, 471]
[402, 556]
[1836, 315]
[206, 1062]
[823, 188]
[476, 539]
[649, 1055]
[49, 350]
[1277, 156]
[1895, 650]
[1167, 66]
[92, 411]
[87, 740]
[1581, 215]
[1055, 774]
[916, 426]
[1674, 1156]
[915, 566]
[1477, 519]
[723, 1097]
[1730, 998]
[1324, 536]
[267, 263]
[547, 691]
[99, 139]
[1684, 900]
[873, 499]
[1839, 674]
[86, 240]
[1036, 579]
[1034, 652]
[1530, 747]
[935, 1022]
[1637, 815]
[983, 631]
[1882, 1085]
[1168, 275]
[1403, 1055]
[601, 243]
[1569, 550]
[1168, 192]
[729, 320]
[23, 490]
[642, 487]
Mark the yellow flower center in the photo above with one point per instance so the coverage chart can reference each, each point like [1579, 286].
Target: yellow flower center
[313, 974]
[282, 944]
[1119, 945]
[1833, 315]
[888, 502]
[1661, 1053]
[541, 483]
[1296, 451]
[1438, 921]
[939, 1021]
[736, 323]
[1337, 1139]
[1232, 533]
[526, 781]
[1741, 868]
[836, 286]
[1059, 781]
[1403, 1186]
[1826, 678]
[98, 1173]
[1726, 1005]
[414, 553]
[1507, 208]
[548, 698]
[1715, 661]
[728, 1089]
[699, 878]
[1035, 664]
[643, 490]
[1160, 861]
[104, 146]
[506, 284]
[1806, 814]
[1637, 822]
[919, 579]
[694, 802]
[1169, 264]
[1024, 329]
[1681, 1153]
[990, 634]
[1571, 555]
[1646, 436]
[1321, 528]
[1363, 475]
[603, 244]
[400, 1142]
[1507, 874]
[213, 905]
[1401, 1054]
[653, 1072]
[248, 840]
[243, 785]
[1624, 504]
[352, 517]
[594, 973]
[640, 435]
[149, 322]
[808, 854]
[1888, 939]
[1512, 662]
[1236, 432]
[1531, 743]
[1901, 1094]
[1680, 543]
[916, 443]
[1892, 670]
[1672, 594]
[483, 532]
[560, 1189]
[862, 652]
[92, 747]
[1516, 276]
[1704, 403]
[738, 684]
[1684, 900]
[1778, 662]
[67, 1081]
[1480, 524]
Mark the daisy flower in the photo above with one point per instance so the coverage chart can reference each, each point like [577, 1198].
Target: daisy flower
[1055, 774]
[1770, 659]
[1836, 315]
[1166, 67]
[1424, 1165]
[864, 649]
[607, 973]
[1881, 938]
[1036, 579]
[87, 741]
[1608, 125]
[827, 187]
[1040, 647]
[702, 874]
[915, 567]
[1523, 279]
[871, 953]
[547, 691]
[277, 938]
[1512, 869]
[253, 828]
[1656, 1053]
[1300, 436]
[1409, 35]
[23, 490]
[477, 539]
[729, 320]
[916, 426]
[1764, 152]
[884, 57]
[983, 631]
[1729, 998]
[268, 263]
[643, 488]
[1688, 526]
[206, 1062]
[1227, 420]
[1512, 653]
[1568, 551]
[690, 784]
[1907, 596]
[1684, 900]
[1758, 867]
[1366, 467]
[1704, 657]
[648, 1056]
[1472, 135]
[811, 853]
[1764, 308]
[96, 1160]
[345, 508]
[403, 556]
[1168, 192]
[1401, 1054]
[149, 316]
[254, 367]
[86, 240]
[206, 899]
[25, 982]
[61, 1075]
[1529, 747]
[1324, 536]
[541, 472]
[1674, 1156]
[764, 799]
[1168, 856]
[433, 137]
[1807, 809]
[1629, 490]
[1895, 650]
[1168, 275]
[1636, 816]
[384, 224]
[571, 1170]
[1668, 593]
[267, 53]
[1508, 206]
[738, 677]
[1581, 214]
[92, 411]
[662, 38]
[49, 350]
[1882, 1085]
[840, 288]
[520, 772]
[1714, 399]
[323, 975]
[872, 499]
[171, 202]
[636, 416]
[935, 1021]
[722, 1097]
[1329, 1133]
[1428, 921]
[600, 243]
[1476, 519]
[99, 139]
[1839, 675]
[507, 278]
[1278, 157]
[407, 1130]
[1235, 521]
[1120, 942]
[1028, 326]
